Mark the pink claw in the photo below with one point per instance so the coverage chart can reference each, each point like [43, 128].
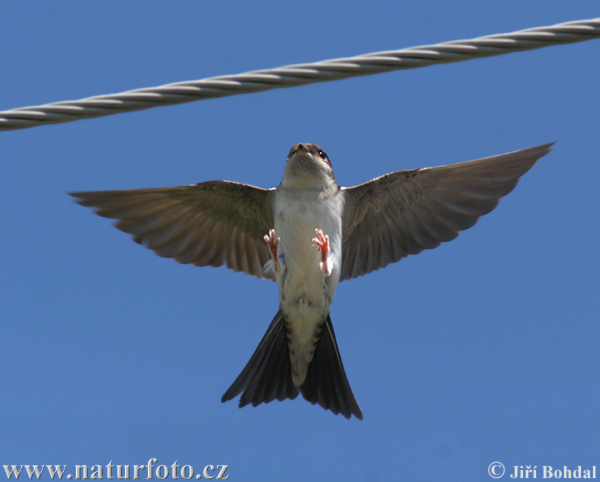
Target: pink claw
[322, 242]
[273, 243]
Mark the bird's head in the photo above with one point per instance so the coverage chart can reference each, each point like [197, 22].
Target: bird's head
[307, 164]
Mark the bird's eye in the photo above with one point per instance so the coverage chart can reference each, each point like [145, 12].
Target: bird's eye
[322, 155]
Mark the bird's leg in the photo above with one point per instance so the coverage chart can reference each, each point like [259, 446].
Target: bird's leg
[272, 244]
[322, 242]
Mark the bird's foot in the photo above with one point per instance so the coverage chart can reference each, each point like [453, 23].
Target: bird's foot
[273, 244]
[322, 242]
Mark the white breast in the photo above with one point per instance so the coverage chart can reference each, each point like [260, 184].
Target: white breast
[304, 291]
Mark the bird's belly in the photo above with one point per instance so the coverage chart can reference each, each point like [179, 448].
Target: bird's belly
[305, 292]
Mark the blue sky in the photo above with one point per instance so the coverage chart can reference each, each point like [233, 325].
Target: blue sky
[484, 349]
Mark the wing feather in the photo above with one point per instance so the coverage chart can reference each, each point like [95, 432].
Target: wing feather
[207, 224]
[405, 212]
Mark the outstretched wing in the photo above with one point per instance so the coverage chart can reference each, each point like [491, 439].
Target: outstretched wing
[207, 224]
[405, 212]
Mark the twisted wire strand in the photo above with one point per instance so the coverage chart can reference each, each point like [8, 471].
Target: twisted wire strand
[300, 74]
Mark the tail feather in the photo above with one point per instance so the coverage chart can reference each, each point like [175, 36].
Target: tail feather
[326, 382]
[268, 376]
[277, 376]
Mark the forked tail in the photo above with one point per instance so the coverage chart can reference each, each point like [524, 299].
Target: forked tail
[268, 376]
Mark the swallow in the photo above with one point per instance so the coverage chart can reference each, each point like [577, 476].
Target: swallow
[308, 234]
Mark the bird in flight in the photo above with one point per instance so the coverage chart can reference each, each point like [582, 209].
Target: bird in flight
[307, 234]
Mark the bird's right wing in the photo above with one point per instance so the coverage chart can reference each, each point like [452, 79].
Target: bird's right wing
[207, 224]
[405, 212]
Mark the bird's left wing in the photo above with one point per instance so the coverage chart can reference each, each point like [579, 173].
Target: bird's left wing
[406, 212]
[207, 224]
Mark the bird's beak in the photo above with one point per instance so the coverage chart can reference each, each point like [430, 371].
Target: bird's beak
[297, 148]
